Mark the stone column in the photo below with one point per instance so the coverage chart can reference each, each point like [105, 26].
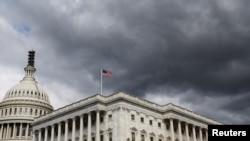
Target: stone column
[27, 131]
[106, 126]
[194, 133]
[89, 127]
[40, 135]
[73, 128]
[34, 136]
[179, 130]
[7, 131]
[4, 132]
[20, 130]
[200, 133]
[66, 131]
[52, 132]
[81, 127]
[206, 135]
[14, 131]
[187, 132]
[10, 131]
[1, 131]
[46, 134]
[172, 129]
[97, 133]
[59, 132]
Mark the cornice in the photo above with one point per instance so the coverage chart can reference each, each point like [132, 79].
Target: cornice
[120, 96]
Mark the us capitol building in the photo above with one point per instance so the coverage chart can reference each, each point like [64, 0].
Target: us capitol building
[26, 114]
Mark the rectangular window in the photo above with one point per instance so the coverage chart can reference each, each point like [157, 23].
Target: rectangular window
[85, 123]
[175, 130]
[133, 136]
[101, 119]
[151, 139]
[142, 120]
[183, 131]
[159, 124]
[160, 139]
[150, 122]
[132, 117]
[110, 136]
[110, 117]
[167, 127]
[142, 138]
[93, 138]
[93, 121]
[101, 138]
[23, 130]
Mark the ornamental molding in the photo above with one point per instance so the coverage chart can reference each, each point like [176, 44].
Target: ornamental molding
[143, 131]
[152, 134]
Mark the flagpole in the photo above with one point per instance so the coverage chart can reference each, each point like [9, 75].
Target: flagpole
[101, 83]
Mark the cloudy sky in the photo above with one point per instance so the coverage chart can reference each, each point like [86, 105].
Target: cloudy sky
[191, 53]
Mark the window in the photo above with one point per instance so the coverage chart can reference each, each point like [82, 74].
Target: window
[183, 131]
[151, 139]
[160, 139]
[190, 133]
[101, 138]
[18, 130]
[142, 120]
[175, 129]
[150, 122]
[101, 119]
[85, 123]
[110, 117]
[93, 138]
[132, 117]
[133, 136]
[159, 124]
[110, 136]
[167, 127]
[142, 138]
[93, 121]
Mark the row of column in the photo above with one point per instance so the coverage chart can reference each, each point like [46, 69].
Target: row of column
[45, 131]
[186, 131]
[14, 131]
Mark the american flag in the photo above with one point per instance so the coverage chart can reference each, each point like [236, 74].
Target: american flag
[106, 73]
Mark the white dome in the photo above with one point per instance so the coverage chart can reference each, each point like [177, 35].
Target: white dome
[22, 103]
[27, 98]
[27, 90]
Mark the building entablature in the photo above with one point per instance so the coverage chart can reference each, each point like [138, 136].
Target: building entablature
[106, 101]
[186, 120]
[67, 114]
[16, 120]
[17, 102]
[189, 114]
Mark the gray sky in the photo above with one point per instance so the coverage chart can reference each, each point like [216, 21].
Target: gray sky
[191, 53]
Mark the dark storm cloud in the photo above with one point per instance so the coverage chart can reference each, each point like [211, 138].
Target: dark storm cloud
[150, 46]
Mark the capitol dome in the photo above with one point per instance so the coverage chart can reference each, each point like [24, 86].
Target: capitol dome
[21, 104]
